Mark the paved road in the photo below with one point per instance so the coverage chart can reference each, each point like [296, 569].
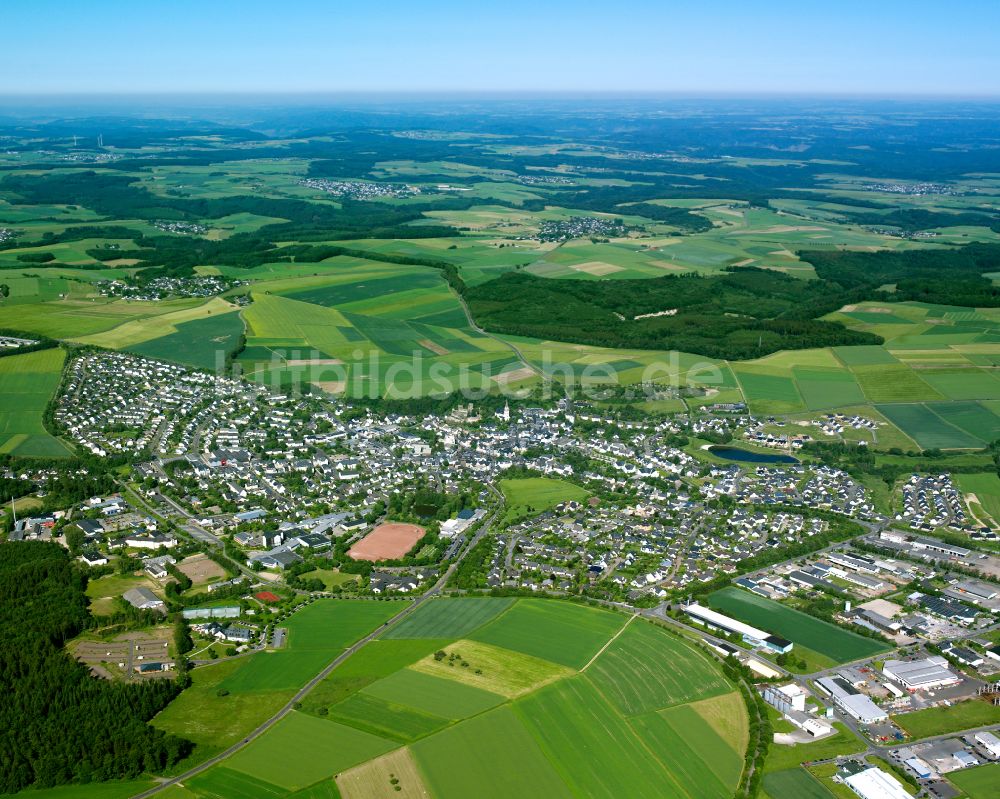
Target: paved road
[290, 706]
[508, 344]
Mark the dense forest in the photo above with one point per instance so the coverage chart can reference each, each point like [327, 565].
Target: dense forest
[59, 724]
[739, 314]
[742, 313]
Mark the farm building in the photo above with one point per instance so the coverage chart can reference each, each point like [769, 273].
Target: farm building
[920, 675]
[750, 635]
[143, 599]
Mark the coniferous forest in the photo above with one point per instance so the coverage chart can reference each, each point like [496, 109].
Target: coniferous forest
[59, 724]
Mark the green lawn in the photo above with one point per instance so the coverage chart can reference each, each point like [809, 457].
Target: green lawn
[982, 782]
[781, 757]
[557, 631]
[816, 634]
[942, 720]
[795, 783]
[529, 496]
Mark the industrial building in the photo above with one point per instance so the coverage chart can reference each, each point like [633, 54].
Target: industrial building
[852, 702]
[989, 742]
[750, 635]
[873, 783]
[920, 675]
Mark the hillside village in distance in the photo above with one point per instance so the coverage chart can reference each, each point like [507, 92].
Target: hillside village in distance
[261, 499]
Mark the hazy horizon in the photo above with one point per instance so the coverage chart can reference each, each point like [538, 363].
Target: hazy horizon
[891, 49]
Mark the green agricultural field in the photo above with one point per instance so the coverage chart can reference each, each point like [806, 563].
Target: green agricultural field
[692, 751]
[982, 782]
[387, 719]
[594, 749]
[557, 631]
[213, 722]
[529, 496]
[943, 720]
[827, 639]
[434, 695]
[795, 782]
[827, 388]
[374, 661]
[893, 383]
[929, 429]
[769, 392]
[94, 790]
[27, 383]
[492, 668]
[647, 668]
[491, 756]
[303, 749]
[449, 618]
[200, 343]
[225, 783]
[330, 625]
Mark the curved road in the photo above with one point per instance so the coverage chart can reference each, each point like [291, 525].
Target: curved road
[290, 706]
[509, 344]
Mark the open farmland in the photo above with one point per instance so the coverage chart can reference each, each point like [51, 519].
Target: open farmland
[646, 668]
[455, 718]
[302, 749]
[449, 618]
[27, 383]
[822, 637]
[557, 631]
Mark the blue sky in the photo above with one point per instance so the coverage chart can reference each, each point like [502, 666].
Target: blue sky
[877, 46]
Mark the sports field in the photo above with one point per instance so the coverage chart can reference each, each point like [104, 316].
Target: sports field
[388, 541]
[826, 639]
[27, 383]
[458, 718]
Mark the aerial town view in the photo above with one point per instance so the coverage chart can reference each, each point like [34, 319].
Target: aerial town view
[515, 402]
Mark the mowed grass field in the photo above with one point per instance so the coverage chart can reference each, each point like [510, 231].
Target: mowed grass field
[527, 496]
[27, 384]
[795, 782]
[501, 720]
[815, 634]
[939, 720]
[982, 782]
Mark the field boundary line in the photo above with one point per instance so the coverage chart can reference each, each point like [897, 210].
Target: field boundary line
[631, 618]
